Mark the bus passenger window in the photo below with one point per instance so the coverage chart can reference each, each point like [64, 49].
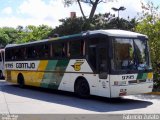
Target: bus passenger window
[46, 49]
[31, 53]
[76, 48]
[59, 50]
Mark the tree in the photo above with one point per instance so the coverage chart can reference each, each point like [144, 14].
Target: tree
[22, 35]
[69, 26]
[99, 21]
[150, 25]
[92, 3]
[8, 36]
[33, 33]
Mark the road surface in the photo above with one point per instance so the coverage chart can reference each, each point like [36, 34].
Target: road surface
[14, 100]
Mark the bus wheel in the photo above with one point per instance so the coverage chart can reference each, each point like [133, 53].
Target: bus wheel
[81, 88]
[21, 81]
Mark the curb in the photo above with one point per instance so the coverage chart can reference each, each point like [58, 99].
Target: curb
[154, 93]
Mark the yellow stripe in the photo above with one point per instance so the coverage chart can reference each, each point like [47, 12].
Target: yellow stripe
[39, 75]
[32, 78]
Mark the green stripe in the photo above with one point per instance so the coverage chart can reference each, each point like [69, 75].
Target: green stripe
[142, 76]
[53, 80]
[48, 76]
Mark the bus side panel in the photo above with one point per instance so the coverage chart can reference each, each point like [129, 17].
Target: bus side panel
[54, 72]
[60, 74]
[75, 69]
[31, 77]
[80, 68]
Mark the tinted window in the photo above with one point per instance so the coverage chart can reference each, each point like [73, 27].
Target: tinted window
[92, 45]
[15, 54]
[59, 50]
[76, 48]
[38, 52]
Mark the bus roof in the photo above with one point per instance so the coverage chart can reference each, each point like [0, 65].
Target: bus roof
[118, 33]
[110, 32]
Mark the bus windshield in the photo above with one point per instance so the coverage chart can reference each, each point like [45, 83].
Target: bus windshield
[130, 54]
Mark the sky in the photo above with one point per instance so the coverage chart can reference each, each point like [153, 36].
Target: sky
[48, 12]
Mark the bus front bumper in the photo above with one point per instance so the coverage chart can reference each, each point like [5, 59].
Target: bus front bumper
[118, 91]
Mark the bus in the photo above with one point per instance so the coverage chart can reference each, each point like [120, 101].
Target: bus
[108, 63]
[1, 63]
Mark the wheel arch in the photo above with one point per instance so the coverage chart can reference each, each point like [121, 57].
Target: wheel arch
[20, 78]
[80, 78]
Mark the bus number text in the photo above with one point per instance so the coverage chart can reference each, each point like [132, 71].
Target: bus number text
[127, 77]
[9, 65]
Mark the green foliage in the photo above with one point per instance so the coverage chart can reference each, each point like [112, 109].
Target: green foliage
[150, 25]
[7, 36]
[69, 26]
[33, 33]
[21, 35]
[99, 21]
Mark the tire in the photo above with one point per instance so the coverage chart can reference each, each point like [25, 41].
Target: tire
[20, 81]
[81, 88]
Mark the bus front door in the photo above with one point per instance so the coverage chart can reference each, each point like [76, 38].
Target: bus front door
[102, 65]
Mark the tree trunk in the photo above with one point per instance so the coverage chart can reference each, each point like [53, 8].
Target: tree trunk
[93, 9]
[81, 9]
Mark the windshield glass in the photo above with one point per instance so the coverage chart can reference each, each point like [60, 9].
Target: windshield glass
[130, 54]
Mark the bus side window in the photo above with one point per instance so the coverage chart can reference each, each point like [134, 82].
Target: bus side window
[76, 48]
[8, 54]
[43, 51]
[59, 50]
[31, 53]
[20, 53]
[46, 51]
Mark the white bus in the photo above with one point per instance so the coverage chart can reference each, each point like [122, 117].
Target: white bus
[108, 63]
[1, 63]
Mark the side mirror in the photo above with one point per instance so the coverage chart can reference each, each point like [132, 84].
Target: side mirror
[103, 75]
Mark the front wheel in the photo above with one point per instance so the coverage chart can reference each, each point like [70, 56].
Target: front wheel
[81, 88]
[21, 81]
